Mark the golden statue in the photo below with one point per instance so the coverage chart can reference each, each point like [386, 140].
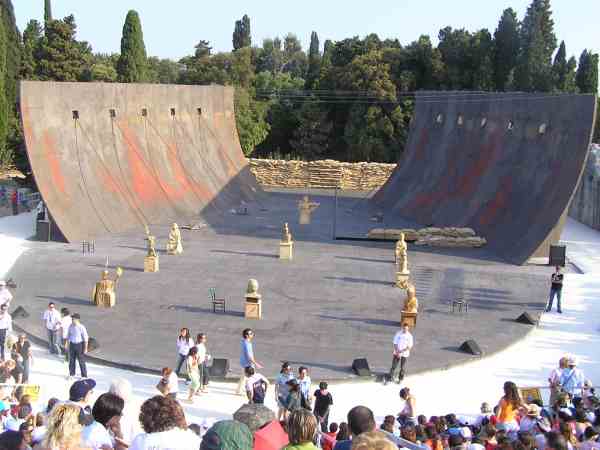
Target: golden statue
[151, 242]
[174, 245]
[286, 236]
[411, 304]
[103, 294]
[401, 255]
[306, 207]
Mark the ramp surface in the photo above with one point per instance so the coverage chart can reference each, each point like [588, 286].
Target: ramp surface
[506, 165]
[109, 157]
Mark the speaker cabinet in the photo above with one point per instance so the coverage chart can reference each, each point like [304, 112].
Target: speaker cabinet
[360, 366]
[471, 347]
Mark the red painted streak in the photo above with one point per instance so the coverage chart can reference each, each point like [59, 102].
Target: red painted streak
[108, 181]
[498, 203]
[422, 144]
[473, 175]
[51, 154]
[186, 185]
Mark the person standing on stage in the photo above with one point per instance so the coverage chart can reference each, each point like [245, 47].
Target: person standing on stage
[51, 319]
[246, 358]
[403, 343]
[184, 343]
[5, 295]
[555, 290]
[5, 328]
[77, 341]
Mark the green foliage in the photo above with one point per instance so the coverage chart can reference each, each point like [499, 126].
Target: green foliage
[60, 56]
[5, 152]
[47, 10]
[538, 42]
[596, 137]
[242, 37]
[311, 137]
[133, 63]
[250, 119]
[163, 71]
[13, 54]
[563, 71]
[506, 48]
[32, 37]
[104, 68]
[270, 57]
[314, 62]
[587, 73]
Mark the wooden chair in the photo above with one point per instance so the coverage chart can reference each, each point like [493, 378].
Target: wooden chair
[218, 303]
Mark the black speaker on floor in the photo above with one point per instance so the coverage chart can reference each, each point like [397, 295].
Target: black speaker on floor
[558, 255]
[526, 319]
[471, 347]
[361, 367]
[19, 313]
[93, 344]
[219, 368]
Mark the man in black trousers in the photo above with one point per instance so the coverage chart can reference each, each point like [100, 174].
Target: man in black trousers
[555, 290]
[77, 342]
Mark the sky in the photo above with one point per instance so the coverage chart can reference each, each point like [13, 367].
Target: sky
[173, 28]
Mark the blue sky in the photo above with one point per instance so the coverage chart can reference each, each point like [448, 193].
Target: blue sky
[171, 29]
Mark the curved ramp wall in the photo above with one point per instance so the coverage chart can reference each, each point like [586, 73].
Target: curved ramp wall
[108, 157]
[506, 165]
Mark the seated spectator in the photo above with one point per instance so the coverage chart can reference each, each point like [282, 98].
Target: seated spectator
[456, 442]
[165, 427]
[388, 424]
[18, 415]
[373, 440]
[328, 439]
[130, 422]
[409, 433]
[4, 412]
[484, 416]
[302, 430]
[64, 429]
[590, 439]
[527, 440]
[581, 422]
[567, 431]
[106, 412]
[529, 420]
[294, 397]
[12, 440]
[80, 394]
[227, 435]
[487, 436]
[555, 441]
[360, 420]
[26, 430]
[432, 439]
[542, 427]
[171, 382]
[197, 429]
[40, 429]
[343, 433]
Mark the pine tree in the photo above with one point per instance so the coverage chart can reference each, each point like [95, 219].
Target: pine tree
[314, 62]
[538, 42]
[587, 73]
[5, 153]
[133, 63]
[563, 71]
[47, 10]
[506, 48]
[31, 41]
[13, 53]
[241, 33]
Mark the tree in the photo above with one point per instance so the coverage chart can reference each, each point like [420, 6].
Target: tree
[104, 68]
[454, 47]
[311, 138]
[506, 48]
[133, 63]
[314, 62]
[32, 37]
[250, 120]
[5, 152]
[481, 54]
[13, 54]
[60, 56]
[291, 46]
[47, 10]
[163, 71]
[241, 33]
[270, 58]
[587, 73]
[563, 71]
[538, 42]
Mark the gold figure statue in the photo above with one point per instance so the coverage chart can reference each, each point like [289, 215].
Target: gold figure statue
[306, 207]
[286, 236]
[103, 294]
[150, 242]
[411, 304]
[174, 245]
[401, 255]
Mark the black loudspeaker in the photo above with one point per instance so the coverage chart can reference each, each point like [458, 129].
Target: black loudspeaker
[93, 344]
[361, 367]
[558, 255]
[19, 312]
[471, 347]
[219, 368]
[526, 319]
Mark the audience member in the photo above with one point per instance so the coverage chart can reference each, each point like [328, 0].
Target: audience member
[130, 423]
[13, 440]
[80, 394]
[282, 389]
[373, 440]
[227, 435]
[508, 409]
[323, 403]
[360, 420]
[572, 379]
[64, 428]
[328, 439]
[302, 430]
[106, 412]
[169, 383]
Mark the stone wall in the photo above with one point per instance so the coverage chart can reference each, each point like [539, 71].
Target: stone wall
[326, 174]
[585, 206]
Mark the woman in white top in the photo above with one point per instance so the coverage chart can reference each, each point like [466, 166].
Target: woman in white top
[203, 360]
[184, 343]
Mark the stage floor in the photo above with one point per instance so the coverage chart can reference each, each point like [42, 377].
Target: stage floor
[334, 302]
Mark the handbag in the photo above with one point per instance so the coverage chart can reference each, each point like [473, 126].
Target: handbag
[163, 386]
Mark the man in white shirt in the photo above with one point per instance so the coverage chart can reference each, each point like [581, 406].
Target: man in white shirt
[65, 323]
[51, 319]
[5, 294]
[5, 327]
[256, 386]
[403, 343]
[572, 379]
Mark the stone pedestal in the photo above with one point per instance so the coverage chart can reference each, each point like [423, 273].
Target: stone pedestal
[402, 279]
[409, 318]
[253, 307]
[151, 264]
[286, 250]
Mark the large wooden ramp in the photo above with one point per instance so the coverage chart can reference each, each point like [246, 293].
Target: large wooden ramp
[505, 164]
[109, 157]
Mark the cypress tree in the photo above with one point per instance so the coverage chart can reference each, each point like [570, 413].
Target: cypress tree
[13, 53]
[5, 154]
[587, 73]
[314, 62]
[506, 48]
[241, 34]
[47, 10]
[563, 71]
[133, 63]
[32, 36]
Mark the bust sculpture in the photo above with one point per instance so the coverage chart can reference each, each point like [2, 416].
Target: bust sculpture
[174, 244]
[253, 307]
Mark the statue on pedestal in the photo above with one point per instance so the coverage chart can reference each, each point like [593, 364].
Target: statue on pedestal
[286, 245]
[286, 236]
[411, 304]
[103, 294]
[150, 242]
[151, 259]
[306, 207]
[253, 307]
[402, 256]
[174, 245]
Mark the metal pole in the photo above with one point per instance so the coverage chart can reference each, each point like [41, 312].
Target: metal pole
[335, 206]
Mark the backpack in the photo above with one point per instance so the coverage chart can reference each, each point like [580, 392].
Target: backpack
[258, 391]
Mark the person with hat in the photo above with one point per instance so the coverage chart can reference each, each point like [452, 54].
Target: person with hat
[80, 394]
[5, 328]
[572, 379]
[227, 435]
[77, 343]
[4, 411]
[484, 417]
[5, 294]
[528, 421]
[294, 397]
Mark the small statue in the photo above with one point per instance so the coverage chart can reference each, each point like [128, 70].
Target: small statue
[286, 236]
[174, 245]
[103, 294]
[151, 242]
[401, 255]
[411, 304]
[305, 207]
[253, 306]
[252, 289]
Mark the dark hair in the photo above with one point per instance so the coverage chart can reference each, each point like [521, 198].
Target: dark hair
[333, 427]
[65, 311]
[580, 415]
[360, 420]
[284, 366]
[249, 371]
[161, 413]
[75, 316]
[24, 411]
[323, 385]
[187, 334]
[527, 439]
[388, 424]
[246, 332]
[193, 351]
[404, 392]
[195, 428]
[556, 441]
[51, 303]
[106, 407]
[422, 419]
[409, 433]
[455, 440]
[301, 369]
[199, 337]
[53, 401]
[511, 394]
[9, 440]
[589, 433]
[343, 432]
